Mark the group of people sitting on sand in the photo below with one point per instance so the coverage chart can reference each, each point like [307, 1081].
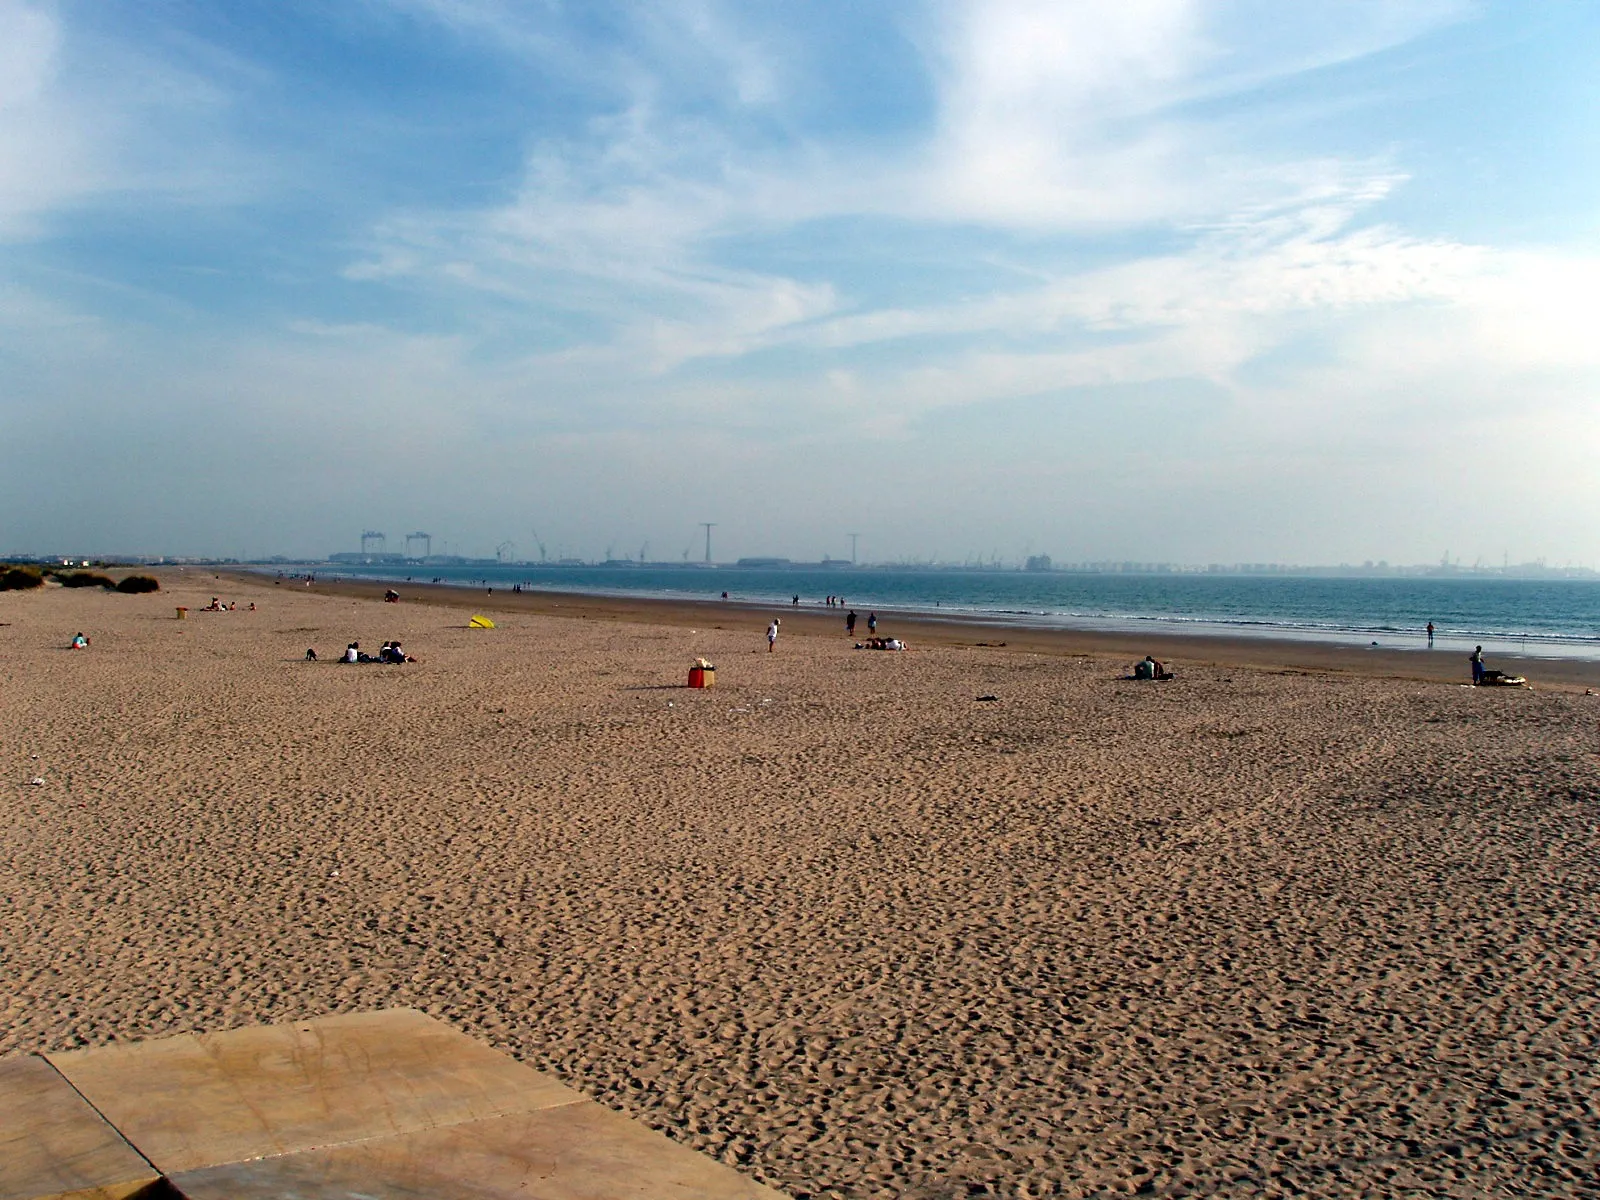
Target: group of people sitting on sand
[1150, 667]
[881, 643]
[389, 652]
[232, 606]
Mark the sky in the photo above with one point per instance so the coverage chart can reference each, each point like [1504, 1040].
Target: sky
[1160, 280]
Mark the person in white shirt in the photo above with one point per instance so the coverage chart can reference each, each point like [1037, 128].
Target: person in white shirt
[772, 634]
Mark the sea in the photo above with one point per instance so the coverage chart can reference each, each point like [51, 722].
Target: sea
[1558, 618]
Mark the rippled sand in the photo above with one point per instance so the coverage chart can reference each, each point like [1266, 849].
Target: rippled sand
[834, 921]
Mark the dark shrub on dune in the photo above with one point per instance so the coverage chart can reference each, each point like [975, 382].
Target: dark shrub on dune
[15, 579]
[86, 579]
[135, 584]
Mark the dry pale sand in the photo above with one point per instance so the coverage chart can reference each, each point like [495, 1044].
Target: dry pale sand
[835, 921]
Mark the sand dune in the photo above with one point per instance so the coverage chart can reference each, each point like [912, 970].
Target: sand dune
[834, 921]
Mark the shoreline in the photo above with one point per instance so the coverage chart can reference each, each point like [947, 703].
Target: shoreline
[1382, 628]
[923, 629]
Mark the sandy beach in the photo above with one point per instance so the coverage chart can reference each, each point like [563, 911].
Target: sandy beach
[1301, 922]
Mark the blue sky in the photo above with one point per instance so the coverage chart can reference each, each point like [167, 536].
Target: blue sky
[1155, 280]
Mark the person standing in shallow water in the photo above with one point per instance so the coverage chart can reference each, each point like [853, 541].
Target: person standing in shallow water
[1430, 635]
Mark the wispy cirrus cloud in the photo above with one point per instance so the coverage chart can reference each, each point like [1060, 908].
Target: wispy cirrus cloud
[1047, 120]
[46, 158]
[91, 120]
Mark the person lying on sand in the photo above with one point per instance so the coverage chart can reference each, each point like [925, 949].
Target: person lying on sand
[1492, 678]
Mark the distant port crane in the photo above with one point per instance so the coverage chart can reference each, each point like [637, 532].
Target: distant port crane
[427, 543]
[368, 536]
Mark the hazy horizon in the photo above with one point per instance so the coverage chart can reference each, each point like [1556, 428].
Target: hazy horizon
[1160, 282]
[1027, 563]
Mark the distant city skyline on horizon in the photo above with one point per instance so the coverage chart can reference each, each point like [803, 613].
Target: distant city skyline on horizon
[1172, 281]
[1531, 569]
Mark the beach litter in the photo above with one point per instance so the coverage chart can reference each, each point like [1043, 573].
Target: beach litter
[988, 697]
[37, 781]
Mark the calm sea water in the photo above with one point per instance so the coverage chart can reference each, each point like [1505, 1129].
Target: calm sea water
[1558, 618]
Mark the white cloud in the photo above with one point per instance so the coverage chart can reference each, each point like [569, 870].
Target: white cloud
[85, 118]
[27, 53]
[696, 46]
[1057, 115]
[1039, 111]
[45, 158]
[1050, 117]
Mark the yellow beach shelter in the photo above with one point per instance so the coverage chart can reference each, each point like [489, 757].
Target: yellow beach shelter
[480, 622]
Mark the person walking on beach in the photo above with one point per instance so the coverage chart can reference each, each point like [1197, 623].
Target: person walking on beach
[772, 634]
[872, 622]
[850, 624]
[1476, 659]
[1430, 635]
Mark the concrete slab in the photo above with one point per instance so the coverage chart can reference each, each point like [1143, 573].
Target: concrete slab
[197, 1101]
[54, 1146]
[576, 1152]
